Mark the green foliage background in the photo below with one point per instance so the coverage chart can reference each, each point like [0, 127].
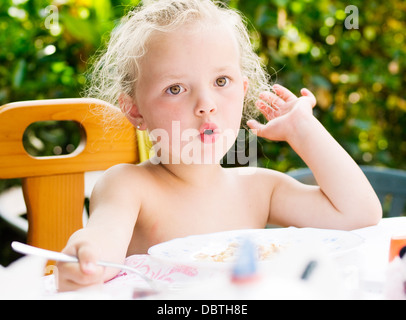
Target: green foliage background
[358, 75]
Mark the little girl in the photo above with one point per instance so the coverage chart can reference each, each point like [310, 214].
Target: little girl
[186, 66]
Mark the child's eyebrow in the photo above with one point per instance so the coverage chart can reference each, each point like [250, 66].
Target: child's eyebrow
[174, 77]
[171, 76]
[226, 68]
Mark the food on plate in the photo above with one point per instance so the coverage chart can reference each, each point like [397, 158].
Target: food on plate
[229, 253]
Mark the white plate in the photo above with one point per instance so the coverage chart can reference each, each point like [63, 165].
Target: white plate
[184, 250]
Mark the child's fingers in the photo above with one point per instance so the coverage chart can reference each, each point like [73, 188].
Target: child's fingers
[255, 126]
[71, 277]
[268, 112]
[307, 93]
[271, 99]
[283, 93]
[88, 258]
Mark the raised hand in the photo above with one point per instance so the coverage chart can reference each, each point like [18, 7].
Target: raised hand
[283, 110]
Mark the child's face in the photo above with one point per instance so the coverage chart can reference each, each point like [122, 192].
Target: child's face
[191, 84]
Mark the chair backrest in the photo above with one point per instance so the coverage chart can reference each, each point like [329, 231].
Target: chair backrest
[53, 187]
[389, 185]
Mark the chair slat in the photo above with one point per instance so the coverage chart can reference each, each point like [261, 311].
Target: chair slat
[54, 208]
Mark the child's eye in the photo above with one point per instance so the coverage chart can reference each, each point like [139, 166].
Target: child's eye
[222, 82]
[175, 90]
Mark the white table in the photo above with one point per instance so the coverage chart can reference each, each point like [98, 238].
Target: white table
[373, 254]
[364, 270]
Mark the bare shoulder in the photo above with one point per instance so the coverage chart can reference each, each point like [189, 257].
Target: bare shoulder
[258, 182]
[266, 181]
[260, 175]
[121, 176]
[122, 185]
[260, 186]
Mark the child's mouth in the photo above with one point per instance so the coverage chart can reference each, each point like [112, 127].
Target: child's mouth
[209, 133]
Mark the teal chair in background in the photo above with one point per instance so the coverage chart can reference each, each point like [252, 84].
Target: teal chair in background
[389, 185]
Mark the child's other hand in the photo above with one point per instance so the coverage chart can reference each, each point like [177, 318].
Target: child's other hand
[73, 276]
[283, 110]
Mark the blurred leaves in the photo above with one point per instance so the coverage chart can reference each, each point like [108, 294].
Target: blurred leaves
[356, 74]
[46, 138]
[44, 50]
[42, 62]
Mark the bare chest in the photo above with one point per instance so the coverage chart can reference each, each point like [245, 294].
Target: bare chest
[170, 215]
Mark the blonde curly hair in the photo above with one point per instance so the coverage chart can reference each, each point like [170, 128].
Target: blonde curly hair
[116, 68]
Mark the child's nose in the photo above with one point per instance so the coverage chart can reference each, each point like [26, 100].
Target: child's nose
[205, 106]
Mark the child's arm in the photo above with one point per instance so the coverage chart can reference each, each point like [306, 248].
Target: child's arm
[113, 214]
[344, 198]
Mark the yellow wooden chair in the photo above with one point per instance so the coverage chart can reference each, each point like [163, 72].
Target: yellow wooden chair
[53, 187]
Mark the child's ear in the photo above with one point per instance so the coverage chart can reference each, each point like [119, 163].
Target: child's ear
[131, 111]
[246, 85]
